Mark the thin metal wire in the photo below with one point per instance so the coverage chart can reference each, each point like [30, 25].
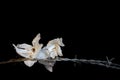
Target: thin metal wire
[107, 63]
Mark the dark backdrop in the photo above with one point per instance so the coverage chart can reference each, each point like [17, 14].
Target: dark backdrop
[87, 34]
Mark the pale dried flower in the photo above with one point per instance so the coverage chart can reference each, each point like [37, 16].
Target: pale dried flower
[35, 51]
[29, 51]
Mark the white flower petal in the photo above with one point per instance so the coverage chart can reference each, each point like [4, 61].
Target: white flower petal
[49, 68]
[53, 54]
[53, 47]
[59, 51]
[43, 54]
[50, 47]
[22, 52]
[36, 45]
[61, 42]
[48, 65]
[29, 63]
[25, 46]
[35, 41]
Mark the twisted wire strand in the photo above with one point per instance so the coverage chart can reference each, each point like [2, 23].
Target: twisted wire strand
[90, 61]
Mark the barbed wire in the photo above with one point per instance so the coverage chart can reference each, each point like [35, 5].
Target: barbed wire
[108, 63]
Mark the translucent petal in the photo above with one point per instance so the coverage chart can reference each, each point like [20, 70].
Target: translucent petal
[43, 54]
[61, 42]
[35, 41]
[48, 65]
[36, 45]
[53, 54]
[50, 47]
[22, 52]
[59, 51]
[29, 63]
[49, 68]
[25, 46]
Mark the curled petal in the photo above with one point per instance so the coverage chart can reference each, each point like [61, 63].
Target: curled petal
[35, 41]
[25, 46]
[61, 42]
[59, 51]
[22, 52]
[36, 46]
[53, 47]
[50, 47]
[51, 50]
[53, 54]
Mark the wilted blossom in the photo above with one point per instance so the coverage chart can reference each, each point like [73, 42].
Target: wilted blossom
[35, 51]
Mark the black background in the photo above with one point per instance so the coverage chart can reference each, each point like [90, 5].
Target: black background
[88, 33]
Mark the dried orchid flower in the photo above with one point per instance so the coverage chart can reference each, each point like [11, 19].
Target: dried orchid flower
[35, 51]
[29, 51]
